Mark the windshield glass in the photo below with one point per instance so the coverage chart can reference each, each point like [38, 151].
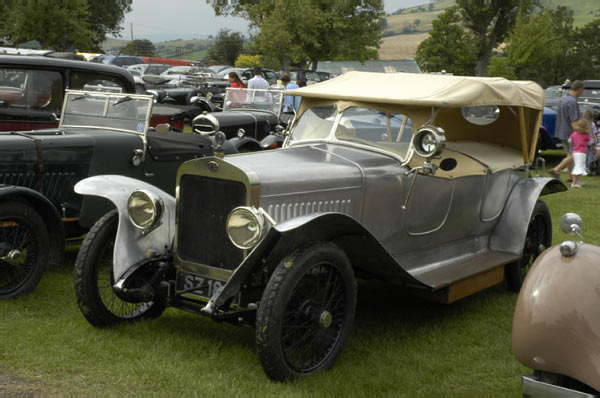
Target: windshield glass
[372, 127]
[244, 98]
[106, 111]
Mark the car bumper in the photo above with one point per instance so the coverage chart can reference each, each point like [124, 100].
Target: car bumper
[531, 387]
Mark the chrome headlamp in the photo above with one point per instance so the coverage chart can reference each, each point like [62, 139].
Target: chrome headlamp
[144, 209]
[429, 141]
[245, 227]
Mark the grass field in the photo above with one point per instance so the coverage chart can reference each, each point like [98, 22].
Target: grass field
[399, 345]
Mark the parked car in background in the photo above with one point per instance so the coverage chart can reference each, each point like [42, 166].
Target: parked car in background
[147, 69]
[556, 324]
[551, 96]
[32, 88]
[249, 116]
[118, 60]
[99, 133]
[218, 68]
[399, 185]
[246, 74]
[187, 75]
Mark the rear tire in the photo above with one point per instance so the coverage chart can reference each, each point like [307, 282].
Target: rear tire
[94, 280]
[24, 247]
[538, 239]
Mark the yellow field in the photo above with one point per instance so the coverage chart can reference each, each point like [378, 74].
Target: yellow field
[401, 46]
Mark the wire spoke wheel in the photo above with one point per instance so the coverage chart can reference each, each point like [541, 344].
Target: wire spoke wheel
[314, 318]
[94, 280]
[306, 312]
[23, 249]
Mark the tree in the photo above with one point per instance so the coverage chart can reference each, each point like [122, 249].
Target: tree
[314, 30]
[227, 47]
[500, 67]
[490, 22]
[142, 48]
[585, 51]
[448, 46]
[248, 61]
[106, 17]
[59, 24]
[62, 24]
[538, 47]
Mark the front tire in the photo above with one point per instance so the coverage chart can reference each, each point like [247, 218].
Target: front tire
[538, 239]
[23, 249]
[94, 280]
[306, 312]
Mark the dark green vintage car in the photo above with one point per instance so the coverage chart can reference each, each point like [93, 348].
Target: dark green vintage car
[98, 133]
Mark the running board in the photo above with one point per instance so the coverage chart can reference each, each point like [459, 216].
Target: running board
[466, 276]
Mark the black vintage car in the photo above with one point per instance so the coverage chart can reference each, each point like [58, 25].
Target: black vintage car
[249, 116]
[99, 133]
[32, 88]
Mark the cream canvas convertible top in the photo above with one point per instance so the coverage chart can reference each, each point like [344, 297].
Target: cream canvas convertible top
[426, 90]
[439, 100]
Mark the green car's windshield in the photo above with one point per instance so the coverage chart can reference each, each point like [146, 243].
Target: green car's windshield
[253, 99]
[124, 112]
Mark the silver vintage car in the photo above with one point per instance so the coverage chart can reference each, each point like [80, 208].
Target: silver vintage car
[420, 180]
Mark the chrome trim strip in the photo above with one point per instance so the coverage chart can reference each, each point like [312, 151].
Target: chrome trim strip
[532, 388]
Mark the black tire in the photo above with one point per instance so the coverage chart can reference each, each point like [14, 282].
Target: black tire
[94, 280]
[538, 239]
[24, 247]
[306, 312]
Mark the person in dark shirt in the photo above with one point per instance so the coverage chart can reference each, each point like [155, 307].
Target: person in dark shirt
[566, 117]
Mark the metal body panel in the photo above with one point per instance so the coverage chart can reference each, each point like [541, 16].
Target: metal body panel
[451, 245]
[256, 124]
[556, 327]
[509, 235]
[131, 244]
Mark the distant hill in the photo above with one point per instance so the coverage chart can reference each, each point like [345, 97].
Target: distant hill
[191, 50]
[407, 27]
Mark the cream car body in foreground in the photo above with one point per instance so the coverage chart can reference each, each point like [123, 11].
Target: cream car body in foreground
[381, 176]
[556, 328]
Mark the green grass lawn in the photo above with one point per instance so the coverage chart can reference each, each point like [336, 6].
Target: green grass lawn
[399, 345]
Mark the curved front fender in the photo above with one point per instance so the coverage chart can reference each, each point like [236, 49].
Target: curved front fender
[132, 245]
[367, 255]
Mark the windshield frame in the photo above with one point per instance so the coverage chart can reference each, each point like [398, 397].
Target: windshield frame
[107, 97]
[272, 91]
[332, 138]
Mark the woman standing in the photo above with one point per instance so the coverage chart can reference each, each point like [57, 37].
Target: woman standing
[237, 96]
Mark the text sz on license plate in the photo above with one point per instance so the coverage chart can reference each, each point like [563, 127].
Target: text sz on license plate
[198, 285]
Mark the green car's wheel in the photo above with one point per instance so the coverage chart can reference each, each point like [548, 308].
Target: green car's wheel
[23, 249]
[94, 279]
[538, 239]
[306, 312]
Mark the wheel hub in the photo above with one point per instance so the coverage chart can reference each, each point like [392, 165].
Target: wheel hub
[12, 257]
[325, 319]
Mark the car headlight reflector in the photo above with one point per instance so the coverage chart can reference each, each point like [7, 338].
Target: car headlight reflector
[245, 226]
[144, 208]
[429, 141]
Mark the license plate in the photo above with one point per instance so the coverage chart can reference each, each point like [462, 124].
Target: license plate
[198, 285]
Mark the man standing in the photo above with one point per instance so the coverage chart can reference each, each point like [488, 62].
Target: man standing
[568, 113]
[290, 102]
[258, 81]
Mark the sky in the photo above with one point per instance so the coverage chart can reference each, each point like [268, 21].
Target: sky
[159, 20]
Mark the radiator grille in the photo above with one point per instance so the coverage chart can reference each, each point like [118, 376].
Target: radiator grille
[204, 204]
[57, 187]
